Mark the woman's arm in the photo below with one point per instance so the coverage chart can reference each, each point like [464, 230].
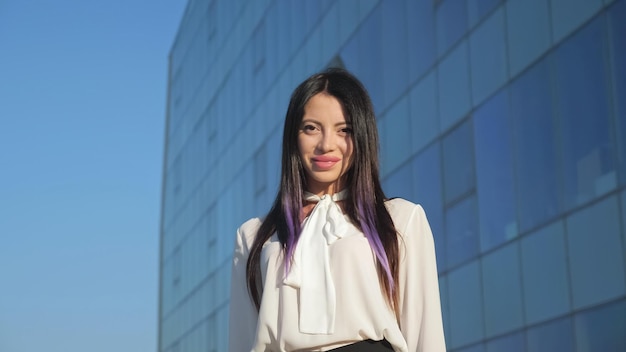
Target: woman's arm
[243, 314]
[420, 308]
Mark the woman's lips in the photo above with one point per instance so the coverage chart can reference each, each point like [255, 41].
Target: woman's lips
[325, 162]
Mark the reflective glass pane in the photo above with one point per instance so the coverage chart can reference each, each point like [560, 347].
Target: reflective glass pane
[458, 162]
[298, 24]
[617, 28]
[454, 86]
[553, 336]
[427, 188]
[313, 10]
[400, 183]
[567, 15]
[602, 329]
[588, 169]
[526, 43]
[477, 9]
[623, 217]
[466, 309]
[260, 170]
[365, 6]
[531, 108]
[397, 138]
[451, 16]
[423, 112]
[595, 247]
[421, 36]
[494, 172]
[368, 57]
[283, 38]
[488, 57]
[461, 232]
[347, 18]
[394, 62]
[544, 273]
[331, 32]
[273, 154]
[502, 290]
[476, 348]
[509, 343]
[350, 56]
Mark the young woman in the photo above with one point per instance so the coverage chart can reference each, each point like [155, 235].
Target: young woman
[335, 265]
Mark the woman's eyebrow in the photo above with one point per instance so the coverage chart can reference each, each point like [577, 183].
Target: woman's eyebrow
[310, 120]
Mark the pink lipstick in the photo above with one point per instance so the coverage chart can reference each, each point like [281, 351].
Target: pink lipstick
[324, 162]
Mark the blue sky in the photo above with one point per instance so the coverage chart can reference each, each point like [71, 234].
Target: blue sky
[82, 114]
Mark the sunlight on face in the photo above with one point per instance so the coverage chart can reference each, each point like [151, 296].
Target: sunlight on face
[325, 144]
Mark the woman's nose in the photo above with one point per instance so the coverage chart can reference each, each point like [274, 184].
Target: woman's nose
[327, 142]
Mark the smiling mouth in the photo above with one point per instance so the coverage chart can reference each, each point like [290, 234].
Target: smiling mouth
[325, 162]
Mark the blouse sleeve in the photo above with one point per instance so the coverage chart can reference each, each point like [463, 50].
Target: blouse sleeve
[420, 308]
[243, 314]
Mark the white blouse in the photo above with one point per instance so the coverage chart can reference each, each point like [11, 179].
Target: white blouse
[361, 311]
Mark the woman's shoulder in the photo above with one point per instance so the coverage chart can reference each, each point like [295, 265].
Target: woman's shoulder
[400, 206]
[249, 229]
[252, 224]
[402, 211]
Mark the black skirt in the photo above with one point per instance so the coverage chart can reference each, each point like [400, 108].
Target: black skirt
[366, 346]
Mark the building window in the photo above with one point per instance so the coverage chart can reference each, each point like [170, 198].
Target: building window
[458, 162]
[259, 47]
[260, 170]
[461, 232]
[212, 20]
[602, 329]
[538, 186]
[495, 186]
[581, 77]
[176, 267]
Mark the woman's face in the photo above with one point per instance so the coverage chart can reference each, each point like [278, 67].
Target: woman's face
[325, 144]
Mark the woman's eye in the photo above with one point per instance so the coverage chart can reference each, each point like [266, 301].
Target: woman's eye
[309, 128]
[345, 131]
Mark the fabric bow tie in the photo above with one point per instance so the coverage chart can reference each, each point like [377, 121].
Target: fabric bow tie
[310, 270]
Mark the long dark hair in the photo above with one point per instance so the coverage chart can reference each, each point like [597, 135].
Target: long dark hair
[365, 203]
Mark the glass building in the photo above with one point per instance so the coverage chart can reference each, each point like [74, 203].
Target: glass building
[506, 120]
